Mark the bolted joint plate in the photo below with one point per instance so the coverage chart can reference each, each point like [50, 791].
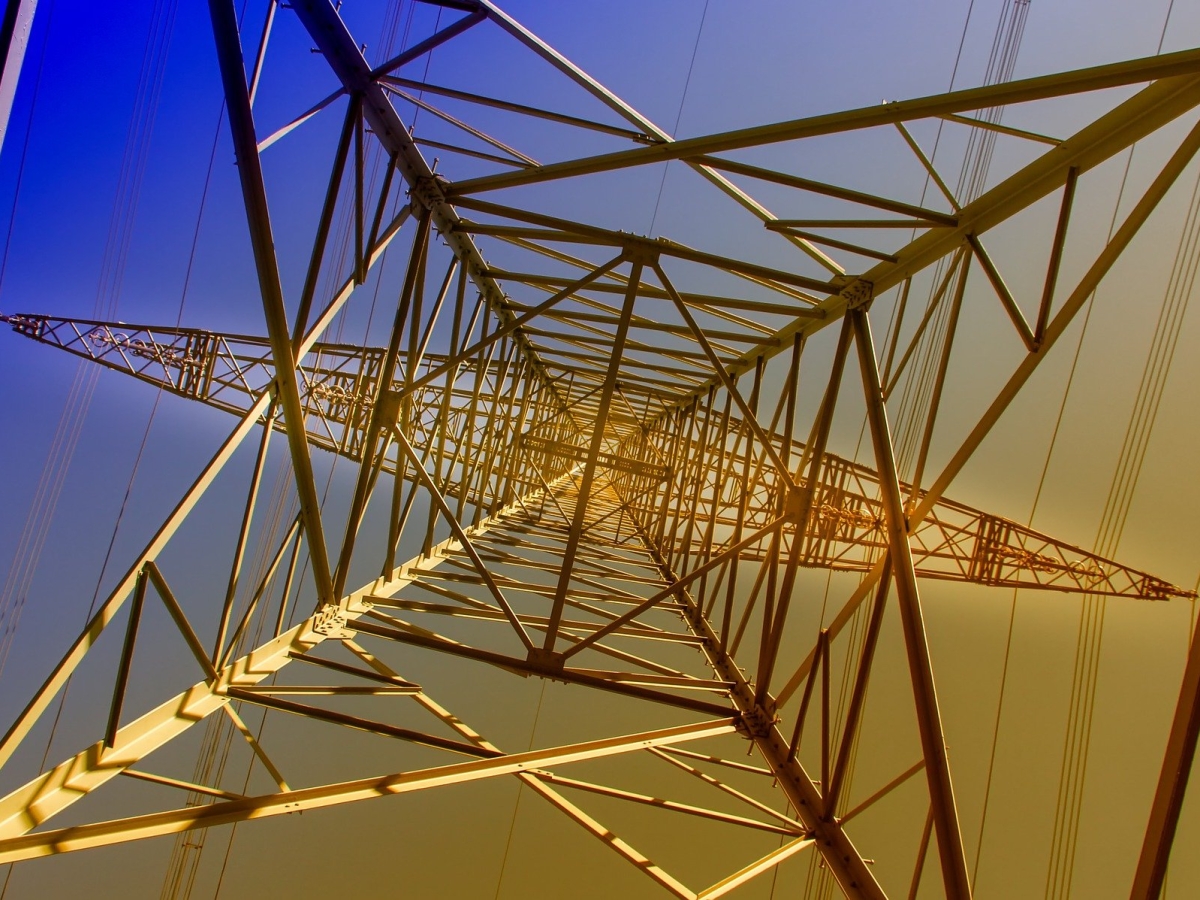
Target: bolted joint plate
[330, 621]
[757, 722]
[429, 191]
[857, 293]
[387, 407]
[546, 662]
[640, 250]
[794, 502]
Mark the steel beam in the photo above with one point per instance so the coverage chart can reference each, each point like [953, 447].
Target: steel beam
[1151, 870]
[14, 37]
[100, 834]
[933, 743]
[1135, 71]
[254, 195]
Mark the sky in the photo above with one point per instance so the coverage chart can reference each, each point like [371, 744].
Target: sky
[693, 68]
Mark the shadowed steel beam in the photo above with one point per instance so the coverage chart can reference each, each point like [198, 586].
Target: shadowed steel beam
[241, 125]
[425, 46]
[851, 872]
[291, 126]
[252, 741]
[928, 216]
[1002, 291]
[1059, 324]
[50, 793]
[81, 837]
[504, 331]
[593, 454]
[1134, 71]
[182, 785]
[631, 115]
[349, 127]
[606, 836]
[1002, 129]
[726, 381]
[461, 535]
[243, 534]
[772, 859]
[678, 584]
[320, 18]
[814, 455]
[933, 743]
[1172, 783]
[1071, 306]
[1056, 249]
[426, 88]
[653, 246]
[522, 666]
[660, 803]
[532, 779]
[111, 606]
[1140, 115]
[372, 453]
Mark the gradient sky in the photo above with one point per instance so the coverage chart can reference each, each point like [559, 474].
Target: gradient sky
[754, 63]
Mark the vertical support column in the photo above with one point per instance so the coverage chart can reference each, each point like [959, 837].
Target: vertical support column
[814, 456]
[701, 457]
[510, 369]
[849, 869]
[1172, 783]
[482, 360]
[929, 722]
[778, 598]
[743, 498]
[443, 418]
[254, 195]
[714, 504]
[353, 115]
[413, 284]
[239, 553]
[522, 383]
[589, 468]
[681, 433]
[14, 37]
[939, 381]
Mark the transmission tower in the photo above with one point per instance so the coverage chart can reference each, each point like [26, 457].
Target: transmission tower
[608, 463]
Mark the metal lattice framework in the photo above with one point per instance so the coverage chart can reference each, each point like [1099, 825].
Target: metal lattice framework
[602, 470]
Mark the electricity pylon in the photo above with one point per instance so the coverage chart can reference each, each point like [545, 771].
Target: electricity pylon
[601, 472]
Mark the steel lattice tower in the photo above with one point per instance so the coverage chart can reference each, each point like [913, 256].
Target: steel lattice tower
[597, 470]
